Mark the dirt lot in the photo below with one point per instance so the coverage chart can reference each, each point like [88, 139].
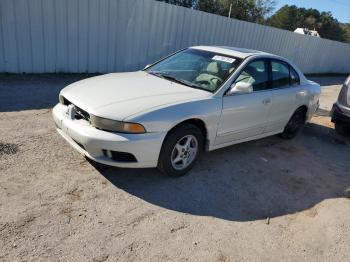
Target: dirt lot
[266, 200]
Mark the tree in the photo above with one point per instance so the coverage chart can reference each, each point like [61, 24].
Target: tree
[330, 28]
[248, 10]
[292, 17]
[210, 6]
[262, 9]
[185, 3]
[346, 28]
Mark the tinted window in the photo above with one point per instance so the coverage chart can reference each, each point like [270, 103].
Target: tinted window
[280, 74]
[255, 73]
[294, 77]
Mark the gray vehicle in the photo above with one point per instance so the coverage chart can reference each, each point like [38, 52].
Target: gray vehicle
[341, 110]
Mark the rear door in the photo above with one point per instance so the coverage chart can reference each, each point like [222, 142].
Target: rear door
[285, 85]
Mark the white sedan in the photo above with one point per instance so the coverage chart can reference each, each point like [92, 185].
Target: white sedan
[200, 98]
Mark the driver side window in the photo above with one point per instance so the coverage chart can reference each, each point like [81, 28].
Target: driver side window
[256, 73]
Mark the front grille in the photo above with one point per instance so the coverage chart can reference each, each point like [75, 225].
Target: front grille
[79, 113]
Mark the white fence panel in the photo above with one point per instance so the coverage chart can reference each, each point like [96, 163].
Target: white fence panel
[38, 36]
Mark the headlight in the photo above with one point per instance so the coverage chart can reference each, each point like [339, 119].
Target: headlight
[116, 126]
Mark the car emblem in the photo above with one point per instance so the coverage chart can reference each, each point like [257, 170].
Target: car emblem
[71, 111]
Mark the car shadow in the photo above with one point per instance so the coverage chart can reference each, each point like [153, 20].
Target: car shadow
[33, 91]
[270, 177]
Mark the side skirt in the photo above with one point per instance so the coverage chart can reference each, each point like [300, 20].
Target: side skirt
[211, 148]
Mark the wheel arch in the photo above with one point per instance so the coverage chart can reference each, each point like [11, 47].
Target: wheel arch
[196, 122]
[304, 108]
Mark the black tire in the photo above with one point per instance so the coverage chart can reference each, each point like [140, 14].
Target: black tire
[342, 129]
[165, 163]
[294, 125]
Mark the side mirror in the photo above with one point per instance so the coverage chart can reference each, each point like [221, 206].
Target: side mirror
[240, 88]
[147, 66]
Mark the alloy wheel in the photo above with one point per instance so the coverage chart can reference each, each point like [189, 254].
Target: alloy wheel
[184, 152]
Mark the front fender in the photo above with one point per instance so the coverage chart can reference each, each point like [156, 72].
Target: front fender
[164, 119]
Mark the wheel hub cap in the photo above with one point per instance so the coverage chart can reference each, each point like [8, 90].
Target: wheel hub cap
[184, 152]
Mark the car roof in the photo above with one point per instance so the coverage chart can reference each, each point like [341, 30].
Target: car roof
[232, 51]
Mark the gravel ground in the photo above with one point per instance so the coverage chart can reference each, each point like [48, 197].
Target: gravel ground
[265, 200]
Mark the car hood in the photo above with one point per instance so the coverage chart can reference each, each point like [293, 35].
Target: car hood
[120, 95]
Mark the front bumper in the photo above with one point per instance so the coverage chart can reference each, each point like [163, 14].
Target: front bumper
[340, 114]
[93, 143]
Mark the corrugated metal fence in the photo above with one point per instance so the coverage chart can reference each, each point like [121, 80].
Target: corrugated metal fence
[123, 35]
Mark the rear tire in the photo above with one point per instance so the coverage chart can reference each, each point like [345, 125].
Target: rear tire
[180, 150]
[342, 129]
[294, 125]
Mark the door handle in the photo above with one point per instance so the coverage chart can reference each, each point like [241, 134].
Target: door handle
[266, 101]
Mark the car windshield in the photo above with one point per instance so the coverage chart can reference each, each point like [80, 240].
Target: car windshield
[196, 68]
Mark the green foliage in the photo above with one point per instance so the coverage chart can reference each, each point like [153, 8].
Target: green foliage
[248, 10]
[292, 17]
[287, 17]
[185, 3]
[346, 28]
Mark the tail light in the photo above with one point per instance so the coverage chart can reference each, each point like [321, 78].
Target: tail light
[347, 81]
[344, 95]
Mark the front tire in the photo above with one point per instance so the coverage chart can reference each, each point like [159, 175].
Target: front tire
[181, 148]
[294, 125]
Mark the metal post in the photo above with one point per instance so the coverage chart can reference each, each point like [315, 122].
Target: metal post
[229, 13]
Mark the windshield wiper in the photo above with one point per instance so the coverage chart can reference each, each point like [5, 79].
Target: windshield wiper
[174, 79]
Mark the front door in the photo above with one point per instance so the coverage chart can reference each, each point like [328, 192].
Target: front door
[245, 115]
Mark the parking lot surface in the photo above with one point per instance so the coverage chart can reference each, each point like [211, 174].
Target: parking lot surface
[265, 200]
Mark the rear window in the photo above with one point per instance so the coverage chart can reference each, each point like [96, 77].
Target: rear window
[283, 75]
[280, 74]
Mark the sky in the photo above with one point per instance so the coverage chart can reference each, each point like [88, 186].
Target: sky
[339, 8]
